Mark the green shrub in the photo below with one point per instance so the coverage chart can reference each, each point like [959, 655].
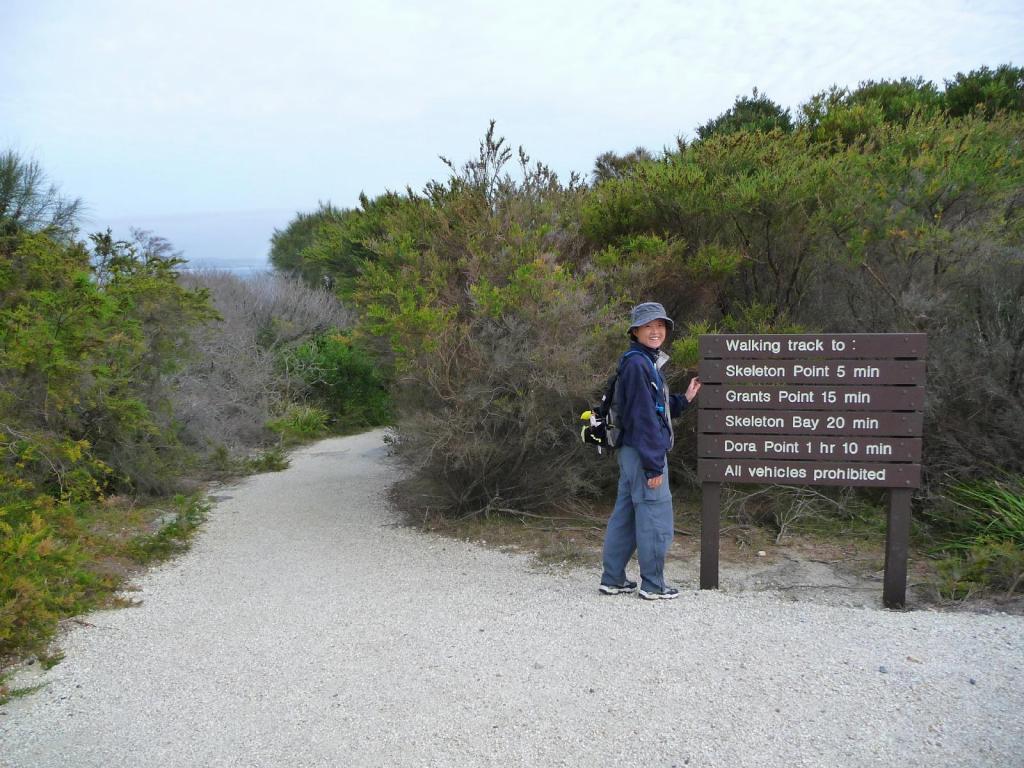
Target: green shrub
[344, 379]
[42, 570]
[86, 342]
[502, 329]
[89, 334]
[982, 566]
[42, 580]
[51, 554]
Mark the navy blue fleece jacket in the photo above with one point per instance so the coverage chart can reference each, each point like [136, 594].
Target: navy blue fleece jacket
[640, 390]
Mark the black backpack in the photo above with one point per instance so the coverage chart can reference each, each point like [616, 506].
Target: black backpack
[603, 427]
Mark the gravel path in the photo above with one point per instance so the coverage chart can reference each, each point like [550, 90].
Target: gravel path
[304, 629]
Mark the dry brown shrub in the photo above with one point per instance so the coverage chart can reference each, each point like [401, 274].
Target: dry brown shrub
[235, 383]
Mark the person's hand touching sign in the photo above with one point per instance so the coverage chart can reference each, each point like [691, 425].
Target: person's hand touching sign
[693, 389]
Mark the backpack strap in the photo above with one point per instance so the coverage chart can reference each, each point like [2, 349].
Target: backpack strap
[631, 352]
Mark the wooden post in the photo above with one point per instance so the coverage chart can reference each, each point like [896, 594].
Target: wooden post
[710, 512]
[897, 543]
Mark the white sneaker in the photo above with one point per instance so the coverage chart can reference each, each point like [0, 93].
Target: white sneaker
[667, 594]
[608, 589]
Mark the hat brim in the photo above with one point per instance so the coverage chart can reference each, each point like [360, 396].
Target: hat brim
[668, 321]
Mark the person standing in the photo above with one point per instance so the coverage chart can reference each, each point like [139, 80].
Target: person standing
[642, 519]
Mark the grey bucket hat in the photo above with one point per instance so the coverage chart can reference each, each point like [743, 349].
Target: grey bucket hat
[649, 310]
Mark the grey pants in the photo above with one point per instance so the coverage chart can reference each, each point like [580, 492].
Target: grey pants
[641, 522]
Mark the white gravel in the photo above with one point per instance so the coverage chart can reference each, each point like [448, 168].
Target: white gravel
[305, 629]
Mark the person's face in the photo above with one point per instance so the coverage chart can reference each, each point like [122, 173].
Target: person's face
[652, 334]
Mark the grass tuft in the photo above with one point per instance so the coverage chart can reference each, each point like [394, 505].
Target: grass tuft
[980, 537]
[173, 535]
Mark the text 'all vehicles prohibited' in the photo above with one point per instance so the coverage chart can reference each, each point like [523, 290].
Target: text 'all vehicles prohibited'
[809, 473]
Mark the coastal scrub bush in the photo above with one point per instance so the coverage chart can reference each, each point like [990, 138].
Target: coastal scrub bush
[498, 327]
[87, 337]
[87, 340]
[916, 228]
[239, 381]
[110, 358]
[927, 238]
[344, 378]
[41, 581]
[46, 485]
[494, 298]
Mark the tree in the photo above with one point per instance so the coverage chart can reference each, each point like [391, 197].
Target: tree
[749, 113]
[87, 342]
[898, 99]
[28, 201]
[330, 246]
[845, 116]
[612, 166]
[829, 116]
[993, 90]
[288, 245]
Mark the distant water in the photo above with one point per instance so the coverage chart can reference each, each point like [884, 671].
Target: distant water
[236, 241]
[243, 270]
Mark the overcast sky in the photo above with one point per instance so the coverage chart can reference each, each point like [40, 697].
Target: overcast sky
[212, 121]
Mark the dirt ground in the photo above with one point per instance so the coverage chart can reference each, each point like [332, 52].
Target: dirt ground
[801, 567]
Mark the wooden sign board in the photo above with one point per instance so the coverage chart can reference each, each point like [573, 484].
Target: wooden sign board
[813, 409]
